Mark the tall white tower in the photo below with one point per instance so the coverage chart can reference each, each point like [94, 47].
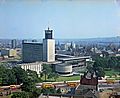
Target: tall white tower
[48, 47]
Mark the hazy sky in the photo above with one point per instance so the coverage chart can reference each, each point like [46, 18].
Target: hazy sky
[68, 18]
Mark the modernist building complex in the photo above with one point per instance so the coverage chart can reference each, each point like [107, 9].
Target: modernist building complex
[35, 51]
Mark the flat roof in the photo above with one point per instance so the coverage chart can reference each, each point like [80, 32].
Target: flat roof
[74, 58]
[33, 43]
[65, 55]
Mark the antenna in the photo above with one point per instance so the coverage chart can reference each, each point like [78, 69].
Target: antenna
[48, 25]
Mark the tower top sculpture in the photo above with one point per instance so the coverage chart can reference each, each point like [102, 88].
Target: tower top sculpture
[48, 34]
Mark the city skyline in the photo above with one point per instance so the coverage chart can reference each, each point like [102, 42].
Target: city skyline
[68, 18]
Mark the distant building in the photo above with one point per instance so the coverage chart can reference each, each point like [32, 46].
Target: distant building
[23, 41]
[9, 52]
[72, 46]
[32, 52]
[64, 47]
[13, 43]
[64, 52]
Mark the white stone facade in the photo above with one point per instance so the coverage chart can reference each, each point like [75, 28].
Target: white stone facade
[63, 68]
[48, 50]
[37, 66]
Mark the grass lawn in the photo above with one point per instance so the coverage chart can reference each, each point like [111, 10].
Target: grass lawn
[111, 73]
[63, 78]
[70, 78]
[73, 78]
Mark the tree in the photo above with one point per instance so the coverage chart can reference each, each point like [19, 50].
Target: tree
[117, 63]
[112, 62]
[20, 74]
[50, 75]
[46, 70]
[90, 68]
[20, 95]
[101, 61]
[95, 68]
[108, 62]
[56, 76]
[28, 85]
[100, 72]
[33, 75]
[2, 70]
[8, 77]
[36, 93]
[53, 75]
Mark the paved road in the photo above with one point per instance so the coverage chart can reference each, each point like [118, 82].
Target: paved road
[108, 86]
[101, 85]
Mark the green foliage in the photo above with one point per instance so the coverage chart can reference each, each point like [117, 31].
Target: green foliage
[53, 75]
[56, 76]
[50, 76]
[90, 68]
[46, 70]
[100, 72]
[16, 75]
[28, 85]
[58, 91]
[108, 62]
[103, 63]
[48, 91]
[33, 75]
[36, 93]
[2, 70]
[20, 95]
[20, 74]
[8, 77]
